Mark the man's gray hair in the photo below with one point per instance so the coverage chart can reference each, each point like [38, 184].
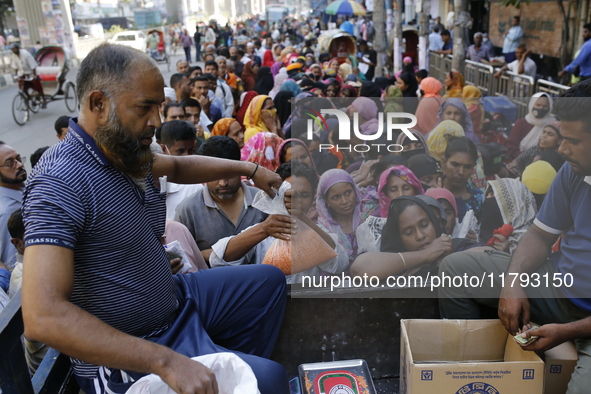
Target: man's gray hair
[477, 34]
[219, 58]
[109, 68]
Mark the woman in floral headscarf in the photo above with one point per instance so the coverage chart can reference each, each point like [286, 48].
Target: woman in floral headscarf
[454, 84]
[394, 182]
[262, 149]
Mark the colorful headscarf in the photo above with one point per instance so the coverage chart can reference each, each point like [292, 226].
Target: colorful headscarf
[438, 138]
[253, 122]
[457, 85]
[471, 95]
[293, 141]
[327, 180]
[276, 67]
[248, 97]
[261, 148]
[406, 175]
[222, 126]
[393, 100]
[466, 121]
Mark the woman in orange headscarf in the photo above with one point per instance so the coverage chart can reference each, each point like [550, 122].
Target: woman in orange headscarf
[230, 128]
[454, 84]
[261, 115]
[472, 96]
[428, 108]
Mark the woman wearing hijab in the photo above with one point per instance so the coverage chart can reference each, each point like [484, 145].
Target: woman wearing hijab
[283, 105]
[278, 81]
[295, 149]
[370, 89]
[550, 140]
[448, 203]
[344, 70]
[245, 100]
[277, 66]
[367, 111]
[264, 81]
[333, 87]
[408, 84]
[454, 84]
[261, 149]
[260, 116]
[411, 148]
[526, 131]
[272, 56]
[454, 109]
[340, 208]
[394, 182]
[249, 75]
[393, 100]
[472, 97]
[512, 203]
[230, 128]
[412, 241]
[438, 138]
[428, 105]
[292, 86]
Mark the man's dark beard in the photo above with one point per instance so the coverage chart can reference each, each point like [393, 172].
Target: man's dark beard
[12, 181]
[124, 151]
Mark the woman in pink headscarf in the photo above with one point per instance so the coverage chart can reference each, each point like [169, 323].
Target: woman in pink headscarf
[394, 182]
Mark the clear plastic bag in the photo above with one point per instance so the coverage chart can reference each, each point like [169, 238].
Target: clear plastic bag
[305, 250]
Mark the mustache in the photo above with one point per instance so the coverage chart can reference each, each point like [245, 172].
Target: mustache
[125, 152]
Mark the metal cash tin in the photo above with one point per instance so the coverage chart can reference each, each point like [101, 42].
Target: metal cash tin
[336, 377]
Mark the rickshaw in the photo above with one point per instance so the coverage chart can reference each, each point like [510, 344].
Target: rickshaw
[53, 66]
[339, 44]
[162, 55]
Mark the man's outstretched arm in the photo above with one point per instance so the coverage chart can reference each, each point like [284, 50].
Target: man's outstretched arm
[50, 317]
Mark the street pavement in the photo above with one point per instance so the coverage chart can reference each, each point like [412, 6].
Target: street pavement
[39, 131]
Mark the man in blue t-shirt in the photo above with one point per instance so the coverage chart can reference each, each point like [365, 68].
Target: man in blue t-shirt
[558, 296]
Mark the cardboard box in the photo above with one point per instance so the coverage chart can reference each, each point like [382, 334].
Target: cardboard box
[560, 365]
[463, 357]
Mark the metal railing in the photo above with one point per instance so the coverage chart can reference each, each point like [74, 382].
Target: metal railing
[479, 75]
[552, 88]
[518, 87]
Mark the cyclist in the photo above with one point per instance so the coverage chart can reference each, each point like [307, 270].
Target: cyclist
[25, 66]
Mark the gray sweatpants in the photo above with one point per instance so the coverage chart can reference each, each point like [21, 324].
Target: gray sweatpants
[547, 304]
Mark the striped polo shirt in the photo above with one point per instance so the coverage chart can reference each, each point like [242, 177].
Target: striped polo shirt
[77, 200]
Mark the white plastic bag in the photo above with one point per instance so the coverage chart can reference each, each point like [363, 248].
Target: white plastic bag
[468, 223]
[234, 376]
[306, 249]
[176, 248]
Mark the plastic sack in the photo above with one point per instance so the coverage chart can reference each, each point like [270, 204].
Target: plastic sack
[234, 376]
[468, 223]
[176, 249]
[305, 250]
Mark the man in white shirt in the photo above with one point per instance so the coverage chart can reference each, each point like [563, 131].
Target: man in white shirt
[523, 65]
[25, 68]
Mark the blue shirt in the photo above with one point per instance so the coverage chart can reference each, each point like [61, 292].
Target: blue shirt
[448, 45]
[583, 60]
[76, 199]
[512, 39]
[566, 211]
[10, 201]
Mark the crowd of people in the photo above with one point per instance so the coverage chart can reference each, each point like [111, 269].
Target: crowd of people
[143, 168]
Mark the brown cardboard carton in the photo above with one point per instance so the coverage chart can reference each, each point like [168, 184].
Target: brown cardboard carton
[560, 364]
[465, 357]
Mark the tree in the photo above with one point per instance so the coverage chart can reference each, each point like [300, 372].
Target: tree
[379, 42]
[6, 8]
